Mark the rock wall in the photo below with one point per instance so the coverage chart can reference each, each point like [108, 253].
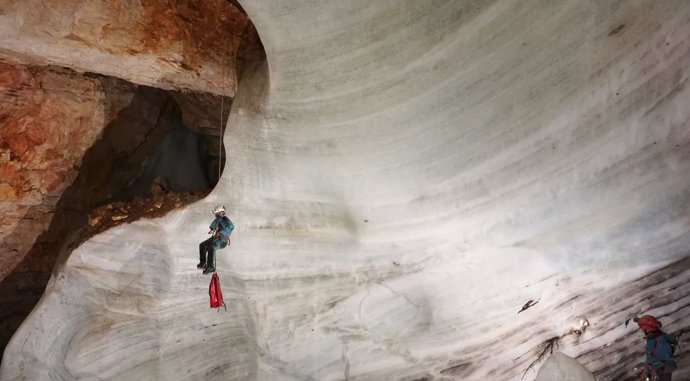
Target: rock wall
[49, 118]
[190, 45]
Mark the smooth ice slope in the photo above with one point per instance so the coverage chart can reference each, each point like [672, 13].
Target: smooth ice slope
[560, 367]
[404, 176]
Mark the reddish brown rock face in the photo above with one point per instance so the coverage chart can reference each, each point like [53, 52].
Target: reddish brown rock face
[189, 45]
[48, 120]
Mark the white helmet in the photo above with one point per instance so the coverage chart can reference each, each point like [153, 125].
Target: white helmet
[218, 210]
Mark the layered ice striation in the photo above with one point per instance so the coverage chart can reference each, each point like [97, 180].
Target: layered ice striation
[404, 177]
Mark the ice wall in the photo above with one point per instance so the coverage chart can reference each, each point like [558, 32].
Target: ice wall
[563, 368]
[404, 177]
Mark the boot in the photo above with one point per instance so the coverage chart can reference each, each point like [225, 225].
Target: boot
[209, 270]
[201, 265]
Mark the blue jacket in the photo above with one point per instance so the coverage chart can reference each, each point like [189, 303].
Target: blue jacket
[660, 348]
[225, 226]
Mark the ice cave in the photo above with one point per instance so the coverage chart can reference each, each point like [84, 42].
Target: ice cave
[421, 189]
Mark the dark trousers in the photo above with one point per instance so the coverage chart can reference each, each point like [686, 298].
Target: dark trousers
[664, 374]
[207, 250]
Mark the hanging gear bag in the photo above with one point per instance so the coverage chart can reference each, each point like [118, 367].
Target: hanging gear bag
[215, 293]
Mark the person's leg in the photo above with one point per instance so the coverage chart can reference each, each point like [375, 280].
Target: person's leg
[662, 375]
[211, 261]
[202, 255]
[212, 246]
[215, 245]
[203, 248]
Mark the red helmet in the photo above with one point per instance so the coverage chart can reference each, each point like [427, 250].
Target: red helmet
[647, 323]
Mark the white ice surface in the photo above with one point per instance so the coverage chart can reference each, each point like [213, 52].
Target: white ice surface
[404, 176]
[560, 367]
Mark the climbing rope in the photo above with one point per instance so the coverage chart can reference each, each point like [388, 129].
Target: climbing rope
[224, 72]
[220, 138]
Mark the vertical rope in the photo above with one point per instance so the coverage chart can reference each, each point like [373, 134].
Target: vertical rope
[222, 104]
[220, 138]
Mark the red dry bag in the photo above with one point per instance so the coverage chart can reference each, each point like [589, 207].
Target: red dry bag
[215, 293]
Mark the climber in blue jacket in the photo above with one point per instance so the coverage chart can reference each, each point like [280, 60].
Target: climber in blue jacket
[221, 228]
[660, 347]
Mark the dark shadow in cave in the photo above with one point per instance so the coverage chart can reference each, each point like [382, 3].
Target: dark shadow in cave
[181, 157]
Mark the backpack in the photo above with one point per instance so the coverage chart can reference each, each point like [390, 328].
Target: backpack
[664, 348]
[215, 293]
